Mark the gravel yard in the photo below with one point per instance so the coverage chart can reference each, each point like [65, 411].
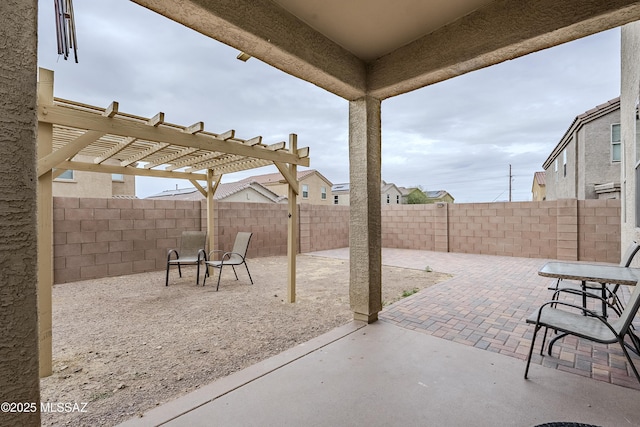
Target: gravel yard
[126, 344]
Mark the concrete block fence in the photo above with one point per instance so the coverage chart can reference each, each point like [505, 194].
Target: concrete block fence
[96, 238]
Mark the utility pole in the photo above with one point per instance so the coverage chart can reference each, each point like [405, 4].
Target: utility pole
[510, 176]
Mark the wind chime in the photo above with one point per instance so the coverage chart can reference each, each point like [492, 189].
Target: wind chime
[65, 28]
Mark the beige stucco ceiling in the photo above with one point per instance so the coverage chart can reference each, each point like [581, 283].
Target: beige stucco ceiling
[372, 28]
[383, 48]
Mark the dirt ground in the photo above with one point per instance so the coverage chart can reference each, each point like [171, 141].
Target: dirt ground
[124, 345]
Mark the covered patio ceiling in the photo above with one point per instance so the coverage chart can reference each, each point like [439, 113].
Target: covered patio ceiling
[384, 48]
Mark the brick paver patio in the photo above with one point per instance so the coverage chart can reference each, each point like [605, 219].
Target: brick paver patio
[485, 306]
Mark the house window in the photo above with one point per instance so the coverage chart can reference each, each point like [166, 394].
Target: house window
[564, 163]
[388, 199]
[335, 200]
[397, 199]
[305, 191]
[323, 193]
[616, 151]
[555, 169]
[119, 177]
[68, 175]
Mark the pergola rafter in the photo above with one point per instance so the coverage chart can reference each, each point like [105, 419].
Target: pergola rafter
[119, 143]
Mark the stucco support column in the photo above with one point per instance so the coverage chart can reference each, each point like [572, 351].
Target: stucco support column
[365, 233]
[45, 231]
[19, 369]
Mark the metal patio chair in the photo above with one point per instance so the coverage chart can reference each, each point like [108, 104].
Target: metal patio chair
[587, 324]
[191, 252]
[237, 256]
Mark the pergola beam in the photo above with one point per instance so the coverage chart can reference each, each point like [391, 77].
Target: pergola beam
[292, 180]
[128, 170]
[229, 159]
[55, 114]
[114, 150]
[170, 157]
[199, 187]
[69, 150]
[141, 155]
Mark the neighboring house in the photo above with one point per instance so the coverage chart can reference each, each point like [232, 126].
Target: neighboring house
[81, 184]
[439, 196]
[340, 194]
[539, 188]
[407, 191]
[586, 162]
[252, 192]
[314, 187]
[390, 194]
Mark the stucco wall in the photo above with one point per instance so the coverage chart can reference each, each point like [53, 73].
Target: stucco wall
[598, 167]
[588, 155]
[630, 84]
[19, 368]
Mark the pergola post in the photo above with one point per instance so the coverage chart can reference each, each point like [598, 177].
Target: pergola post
[45, 230]
[292, 231]
[212, 186]
[365, 241]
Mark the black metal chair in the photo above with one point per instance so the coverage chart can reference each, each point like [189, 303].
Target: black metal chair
[587, 324]
[192, 244]
[237, 256]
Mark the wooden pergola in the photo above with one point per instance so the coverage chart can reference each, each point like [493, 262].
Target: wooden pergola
[121, 143]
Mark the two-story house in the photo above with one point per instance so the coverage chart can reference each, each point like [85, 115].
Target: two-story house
[72, 183]
[539, 187]
[314, 187]
[585, 164]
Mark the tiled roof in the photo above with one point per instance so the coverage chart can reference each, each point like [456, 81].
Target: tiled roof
[223, 191]
[540, 178]
[278, 178]
[580, 120]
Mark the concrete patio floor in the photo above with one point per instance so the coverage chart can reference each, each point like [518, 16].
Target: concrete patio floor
[451, 355]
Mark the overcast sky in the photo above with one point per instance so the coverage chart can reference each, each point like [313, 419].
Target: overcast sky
[460, 135]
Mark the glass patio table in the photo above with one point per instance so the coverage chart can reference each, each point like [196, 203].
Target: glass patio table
[598, 273]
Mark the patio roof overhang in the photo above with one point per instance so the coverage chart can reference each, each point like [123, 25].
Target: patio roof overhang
[115, 142]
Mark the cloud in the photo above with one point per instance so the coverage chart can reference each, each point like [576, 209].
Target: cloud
[459, 135]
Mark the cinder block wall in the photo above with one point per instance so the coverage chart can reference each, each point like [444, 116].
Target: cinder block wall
[568, 229]
[268, 223]
[108, 237]
[599, 230]
[323, 227]
[527, 229]
[409, 227]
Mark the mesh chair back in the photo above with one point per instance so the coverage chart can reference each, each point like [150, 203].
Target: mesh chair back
[629, 254]
[240, 246]
[622, 324]
[191, 242]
